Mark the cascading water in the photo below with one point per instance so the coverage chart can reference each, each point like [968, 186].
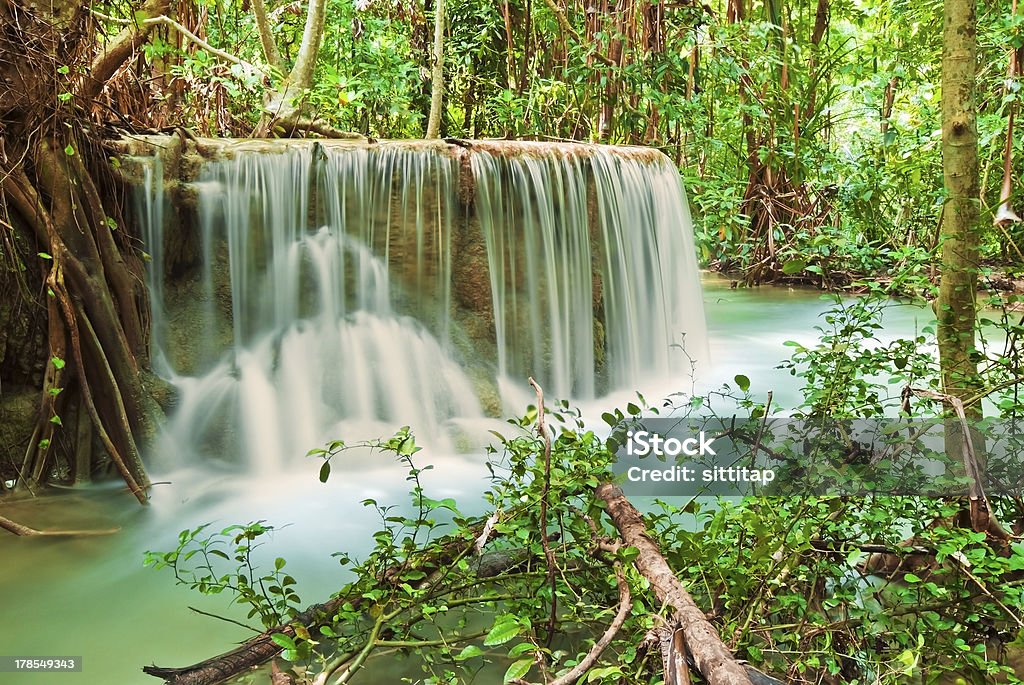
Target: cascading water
[345, 290]
[585, 231]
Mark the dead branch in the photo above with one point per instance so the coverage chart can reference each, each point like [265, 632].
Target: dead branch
[549, 555]
[980, 512]
[711, 657]
[625, 604]
[118, 50]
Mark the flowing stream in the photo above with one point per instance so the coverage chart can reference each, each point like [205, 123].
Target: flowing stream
[91, 597]
[343, 292]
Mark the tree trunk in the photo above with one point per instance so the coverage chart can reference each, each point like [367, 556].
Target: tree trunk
[956, 308]
[266, 36]
[285, 108]
[437, 73]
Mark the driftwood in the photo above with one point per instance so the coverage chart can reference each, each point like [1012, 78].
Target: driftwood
[711, 657]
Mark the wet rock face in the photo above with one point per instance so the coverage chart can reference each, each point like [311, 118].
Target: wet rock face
[582, 244]
[23, 317]
[471, 282]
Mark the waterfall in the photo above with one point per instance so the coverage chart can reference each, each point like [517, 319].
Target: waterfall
[343, 290]
[603, 245]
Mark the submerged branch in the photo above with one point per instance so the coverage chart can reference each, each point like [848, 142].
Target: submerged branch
[23, 530]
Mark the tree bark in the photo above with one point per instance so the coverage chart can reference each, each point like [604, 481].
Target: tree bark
[285, 106]
[437, 73]
[956, 308]
[712, 658]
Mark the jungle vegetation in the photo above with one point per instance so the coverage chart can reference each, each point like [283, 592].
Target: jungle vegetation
[844, 143]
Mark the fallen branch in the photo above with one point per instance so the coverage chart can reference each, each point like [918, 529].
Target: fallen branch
[585, 664]
[711, 657]
[23, 530]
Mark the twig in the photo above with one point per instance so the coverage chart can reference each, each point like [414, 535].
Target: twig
[226, 56]
[549, 555]
[224, 618]
[625, 606]
[962, 565]
[167, 21]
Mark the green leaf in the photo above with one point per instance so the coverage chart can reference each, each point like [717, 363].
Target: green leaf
[742, 382]
[794, 266]
[504, 630]
[57, 362]
[602, 673]
[69, 150]
[56, 419]
[44, 255]
[1017, 560]
[518, 669]
[283, 641]
[325, 472]
[468, 652]
[279, 563]
[64, 69]
[627, 554]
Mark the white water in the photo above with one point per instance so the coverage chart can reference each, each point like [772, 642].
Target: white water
[331, 268]
[635, 235]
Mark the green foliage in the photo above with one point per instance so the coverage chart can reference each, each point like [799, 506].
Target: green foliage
[849, 372]
[784, 578]
[213, 563]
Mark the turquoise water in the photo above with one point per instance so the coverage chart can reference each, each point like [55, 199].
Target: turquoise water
[91, 597]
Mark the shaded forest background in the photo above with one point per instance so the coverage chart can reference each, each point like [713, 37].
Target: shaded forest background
[808, 131]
